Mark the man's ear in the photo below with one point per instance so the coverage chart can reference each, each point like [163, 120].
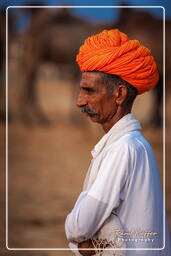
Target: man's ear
[120, 94]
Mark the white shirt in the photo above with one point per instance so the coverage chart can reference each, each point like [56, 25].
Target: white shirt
[122, 180]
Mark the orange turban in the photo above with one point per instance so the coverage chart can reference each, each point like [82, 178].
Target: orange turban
[112, 52]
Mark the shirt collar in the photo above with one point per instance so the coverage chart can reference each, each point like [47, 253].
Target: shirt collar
[126, 124]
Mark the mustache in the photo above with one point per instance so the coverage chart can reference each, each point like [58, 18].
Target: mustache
[87, 110]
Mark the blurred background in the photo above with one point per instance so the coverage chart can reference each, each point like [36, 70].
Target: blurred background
[49, 140]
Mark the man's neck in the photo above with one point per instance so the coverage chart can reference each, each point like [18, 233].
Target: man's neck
[119, 114]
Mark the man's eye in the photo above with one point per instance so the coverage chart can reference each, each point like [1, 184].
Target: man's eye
[89, 90]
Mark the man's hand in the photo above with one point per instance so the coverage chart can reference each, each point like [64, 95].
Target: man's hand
[85, 245]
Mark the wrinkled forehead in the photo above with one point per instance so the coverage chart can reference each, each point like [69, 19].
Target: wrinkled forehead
[90, 79]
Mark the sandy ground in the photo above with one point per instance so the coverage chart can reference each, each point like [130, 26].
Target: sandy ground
[46, 169]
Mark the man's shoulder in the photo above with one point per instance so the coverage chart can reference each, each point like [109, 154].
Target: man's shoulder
[132, 141]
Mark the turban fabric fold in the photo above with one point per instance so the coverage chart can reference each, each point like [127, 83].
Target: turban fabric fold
[112, 52]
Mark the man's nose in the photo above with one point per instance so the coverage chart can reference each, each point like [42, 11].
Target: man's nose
[81, 100]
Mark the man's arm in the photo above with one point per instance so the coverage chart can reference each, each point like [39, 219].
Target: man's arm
[86, 218]
[94, 206]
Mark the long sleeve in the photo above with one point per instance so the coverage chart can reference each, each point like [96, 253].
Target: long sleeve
[95, 205]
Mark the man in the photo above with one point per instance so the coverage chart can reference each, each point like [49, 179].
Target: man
[121, 203]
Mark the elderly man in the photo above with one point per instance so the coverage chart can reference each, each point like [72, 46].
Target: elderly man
[121, 204]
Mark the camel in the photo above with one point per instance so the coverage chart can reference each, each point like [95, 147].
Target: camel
[57, 43]
[55, 35]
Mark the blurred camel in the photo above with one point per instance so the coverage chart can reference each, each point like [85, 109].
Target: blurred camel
[53, 36]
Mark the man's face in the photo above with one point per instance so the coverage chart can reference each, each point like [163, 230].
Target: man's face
[94, 99]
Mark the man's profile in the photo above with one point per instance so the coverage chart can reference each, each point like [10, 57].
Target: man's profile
[121, 205]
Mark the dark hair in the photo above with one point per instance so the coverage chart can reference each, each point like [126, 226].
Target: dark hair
[112, 81]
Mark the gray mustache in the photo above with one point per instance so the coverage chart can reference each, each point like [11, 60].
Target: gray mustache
[87, 110]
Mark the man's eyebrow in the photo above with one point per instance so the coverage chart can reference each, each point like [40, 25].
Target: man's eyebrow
[87, 88]
[84, 85]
